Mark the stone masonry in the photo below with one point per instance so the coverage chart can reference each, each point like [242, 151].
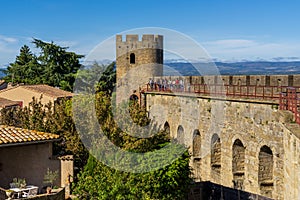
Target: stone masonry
[246, 145]
[137, 61]
[239, 143]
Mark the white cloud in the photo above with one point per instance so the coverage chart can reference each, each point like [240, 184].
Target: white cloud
[238, 49]
[8, 39]
[9, 47]
[232, 44]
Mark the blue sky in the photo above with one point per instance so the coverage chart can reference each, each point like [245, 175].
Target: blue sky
[229, 30]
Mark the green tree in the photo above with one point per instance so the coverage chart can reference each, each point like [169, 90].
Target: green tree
[54, 66]
[100, 78]
[24, 68]
[98, 181]
[59, 65]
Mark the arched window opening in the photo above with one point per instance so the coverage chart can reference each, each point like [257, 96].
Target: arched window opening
[132, 58]
[167, 128]
[238, 164]
[196, 154]
[196, 143]
[180, 135]
[196, 169]
[216, 157]
[265, 171]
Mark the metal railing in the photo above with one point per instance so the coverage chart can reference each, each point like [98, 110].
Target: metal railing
[287, 97]
[290, 101]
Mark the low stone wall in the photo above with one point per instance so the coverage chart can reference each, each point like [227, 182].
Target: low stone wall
[60, 195]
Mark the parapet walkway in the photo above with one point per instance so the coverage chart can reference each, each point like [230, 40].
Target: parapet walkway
[285, 96]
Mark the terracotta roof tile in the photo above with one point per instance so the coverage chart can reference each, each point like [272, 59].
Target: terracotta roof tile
[48, 90]
[43, 89]
[6, 103]
[11, 135]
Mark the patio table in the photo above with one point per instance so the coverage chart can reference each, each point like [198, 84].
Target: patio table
[30, 189]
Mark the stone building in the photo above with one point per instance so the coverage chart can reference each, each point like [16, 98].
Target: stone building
[234, 140]
[27, 154]
[25, 93]
[137, 61]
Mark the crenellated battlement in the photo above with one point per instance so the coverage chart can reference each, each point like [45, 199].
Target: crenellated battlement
[145, 38]
[137, 58]
[133, 42]
[245, 80]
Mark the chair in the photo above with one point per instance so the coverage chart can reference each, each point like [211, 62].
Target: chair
[31, 191]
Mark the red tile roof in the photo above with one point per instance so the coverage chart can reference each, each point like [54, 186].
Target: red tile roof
[43, 89]
[48, 90]
[13, 135]
[7, 103]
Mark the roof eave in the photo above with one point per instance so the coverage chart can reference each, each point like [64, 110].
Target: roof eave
[29, 143]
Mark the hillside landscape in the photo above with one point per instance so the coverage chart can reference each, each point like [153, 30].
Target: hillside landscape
[235, 68]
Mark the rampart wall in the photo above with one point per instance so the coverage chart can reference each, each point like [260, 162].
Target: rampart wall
[246, 145]
[259, 80]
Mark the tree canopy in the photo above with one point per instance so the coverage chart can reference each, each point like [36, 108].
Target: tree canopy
[97, 77]
[99, 181]
[57, 67]
[54, 66]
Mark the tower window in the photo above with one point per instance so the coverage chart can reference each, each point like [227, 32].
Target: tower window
[132, 58]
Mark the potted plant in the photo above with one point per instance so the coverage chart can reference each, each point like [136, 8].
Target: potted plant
[49, 179]
[18, 183]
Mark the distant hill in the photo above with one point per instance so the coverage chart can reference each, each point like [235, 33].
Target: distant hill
[2, 74]
[236, 68]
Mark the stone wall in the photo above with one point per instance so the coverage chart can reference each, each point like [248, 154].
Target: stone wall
[137, 61]
[253, 124]
[208, 190]
[259, 80]
[238, 164]
[31, 162]
[27, 161]
[59, 195]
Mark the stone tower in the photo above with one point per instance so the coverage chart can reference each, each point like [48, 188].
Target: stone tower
[137, 61]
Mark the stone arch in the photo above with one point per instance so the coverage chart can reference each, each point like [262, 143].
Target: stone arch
[196, 151]
[132, 58]
[180, 134]
[265, 171]
[238, 164]
[167, 128]
[215, 161]
[196, 143]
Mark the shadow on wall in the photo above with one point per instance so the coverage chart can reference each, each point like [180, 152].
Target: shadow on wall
[209, 190]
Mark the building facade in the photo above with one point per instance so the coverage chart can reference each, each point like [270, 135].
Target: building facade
[245, 144]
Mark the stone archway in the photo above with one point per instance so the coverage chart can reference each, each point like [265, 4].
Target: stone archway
[215, 158]
[180, 135]
[167, 128]
[196, 143]
[196, 152]
[238, 164]
[265, 171]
